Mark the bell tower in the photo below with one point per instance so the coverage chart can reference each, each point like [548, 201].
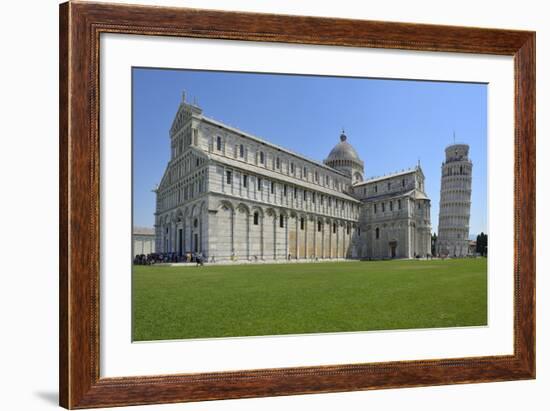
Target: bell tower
[454, 203]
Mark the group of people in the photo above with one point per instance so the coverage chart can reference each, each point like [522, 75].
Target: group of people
[163, 258]
[427, 256]
[154, 258]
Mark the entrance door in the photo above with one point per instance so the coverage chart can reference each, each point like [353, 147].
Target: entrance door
[180, 242]
[196, 243]
[393, 248]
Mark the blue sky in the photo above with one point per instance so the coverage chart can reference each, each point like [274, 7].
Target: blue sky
[392, 123]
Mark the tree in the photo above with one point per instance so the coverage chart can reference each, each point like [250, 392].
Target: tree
[434, 244]
[481, 244]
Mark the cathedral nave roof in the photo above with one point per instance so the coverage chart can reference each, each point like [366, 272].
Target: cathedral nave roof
[388, 176]
[274, 146]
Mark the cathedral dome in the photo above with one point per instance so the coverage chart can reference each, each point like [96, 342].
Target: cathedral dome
[345, 159]
[343, 151]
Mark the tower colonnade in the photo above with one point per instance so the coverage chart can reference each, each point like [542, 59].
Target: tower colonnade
[455, 202]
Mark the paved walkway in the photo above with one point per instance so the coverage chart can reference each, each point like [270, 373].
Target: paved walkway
[246, 262]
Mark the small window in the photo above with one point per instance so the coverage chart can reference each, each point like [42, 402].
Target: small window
[277, 162]
[347, 229]
[228, 177]
[376, 189]
[241, 151]
[295, 192]
[284, 190]
[313, 198]
[281, 221]
[304, 174]
[359, 231]
[245, 180]
[316, 177]
[383, 207]
[196, 222]
[319, 226]
[305, 195]
[403, 183]
[391, 205]
[302, 223]
[292, 168]
[262, 157]
[259, 187]
[389, 186]
[256, 218]
[218, 143]
[272, 187]
[375, 209]
[377, 233]
[399, 204]
[334, 228]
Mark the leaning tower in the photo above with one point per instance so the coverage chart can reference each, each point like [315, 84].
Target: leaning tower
[454, 203]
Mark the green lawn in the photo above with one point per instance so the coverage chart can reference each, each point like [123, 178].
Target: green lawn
[244, 300]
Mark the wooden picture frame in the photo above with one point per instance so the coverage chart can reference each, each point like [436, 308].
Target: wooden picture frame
[80, 27]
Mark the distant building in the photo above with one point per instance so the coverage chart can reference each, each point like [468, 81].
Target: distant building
[143, 241]
[472, 247]
[234, 196]
[454, 203]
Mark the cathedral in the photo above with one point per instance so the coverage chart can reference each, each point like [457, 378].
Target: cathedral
[235, 197]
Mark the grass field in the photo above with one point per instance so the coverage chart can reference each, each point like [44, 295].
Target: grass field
[246, 300]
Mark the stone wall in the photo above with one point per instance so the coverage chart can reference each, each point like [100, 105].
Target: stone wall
[143, 244]
[236, 234]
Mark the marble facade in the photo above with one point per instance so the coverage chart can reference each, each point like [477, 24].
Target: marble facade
[233, 196]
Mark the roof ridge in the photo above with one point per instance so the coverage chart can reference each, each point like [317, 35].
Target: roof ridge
[389, 175]
[278, 147]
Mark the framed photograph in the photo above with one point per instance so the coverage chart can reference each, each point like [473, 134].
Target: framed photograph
[258, 205]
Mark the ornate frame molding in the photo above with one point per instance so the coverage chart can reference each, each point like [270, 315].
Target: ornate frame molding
[80, 27]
